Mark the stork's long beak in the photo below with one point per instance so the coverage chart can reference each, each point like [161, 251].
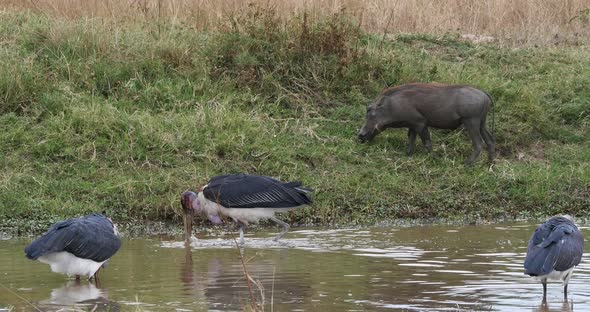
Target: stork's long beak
[186, 200]
[188, 224]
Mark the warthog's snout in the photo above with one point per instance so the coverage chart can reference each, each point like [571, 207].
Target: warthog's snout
[361, 136]
[364, 136]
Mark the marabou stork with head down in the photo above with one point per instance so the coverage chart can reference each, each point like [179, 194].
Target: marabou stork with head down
[554, 250]
[77, 246]
[244, 198]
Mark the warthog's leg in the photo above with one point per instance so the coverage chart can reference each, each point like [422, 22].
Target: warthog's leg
[472, 126]
[411, 141]
[490, 142]
[425, 137]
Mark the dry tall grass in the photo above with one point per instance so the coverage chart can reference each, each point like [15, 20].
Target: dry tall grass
[516, 21]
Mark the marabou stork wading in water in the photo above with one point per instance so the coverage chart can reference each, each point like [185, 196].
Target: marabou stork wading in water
[554, 250]
[77, 246]
[244, 198]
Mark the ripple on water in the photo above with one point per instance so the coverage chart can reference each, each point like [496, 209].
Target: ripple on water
[423, 268]
[424, 265]
[454, 271]
[401, 253]
[258, 243]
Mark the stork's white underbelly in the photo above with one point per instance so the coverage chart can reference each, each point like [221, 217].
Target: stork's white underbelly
[245, 215]
[66, 263]
[557, 275]
[252, 214]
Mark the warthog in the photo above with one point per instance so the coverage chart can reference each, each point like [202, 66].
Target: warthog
[418, 106]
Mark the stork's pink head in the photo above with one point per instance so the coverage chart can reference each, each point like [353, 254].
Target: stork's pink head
[190, 202]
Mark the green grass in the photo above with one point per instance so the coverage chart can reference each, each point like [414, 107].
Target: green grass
[123, 118]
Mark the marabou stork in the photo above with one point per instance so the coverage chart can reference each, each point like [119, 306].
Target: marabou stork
[244, 198]
[554, 250]
[77, 246]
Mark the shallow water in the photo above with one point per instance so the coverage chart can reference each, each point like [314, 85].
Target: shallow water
[420, 268]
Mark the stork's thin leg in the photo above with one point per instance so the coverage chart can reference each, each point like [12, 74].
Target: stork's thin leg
[96, 280]
[241, 233]
[544, 281]
[240, 226]
[95, 276]
[285, 228]
[565, 292]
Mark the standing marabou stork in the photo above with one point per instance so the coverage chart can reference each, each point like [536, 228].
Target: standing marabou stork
[244, 198]
[77, 246]
[554, 250]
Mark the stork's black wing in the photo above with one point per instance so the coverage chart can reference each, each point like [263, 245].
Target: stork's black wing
[90, 237]
[556, 245]
[572, 249]
[253, 191]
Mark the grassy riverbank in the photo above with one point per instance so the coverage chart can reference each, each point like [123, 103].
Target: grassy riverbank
[123, 117]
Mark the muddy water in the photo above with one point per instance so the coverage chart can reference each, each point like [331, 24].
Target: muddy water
[456, 268]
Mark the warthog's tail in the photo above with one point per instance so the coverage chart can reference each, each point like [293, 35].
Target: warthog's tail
[493, 113]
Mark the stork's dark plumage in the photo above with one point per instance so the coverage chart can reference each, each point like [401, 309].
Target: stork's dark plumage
[554, 250]
[77, 246]
[244, 198]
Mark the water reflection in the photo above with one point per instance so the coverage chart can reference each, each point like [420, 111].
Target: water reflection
[78, 294]
[425, 268]
[191, 283]
[564, 307]
[73, 292]
[223, 284]
[196, 282]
